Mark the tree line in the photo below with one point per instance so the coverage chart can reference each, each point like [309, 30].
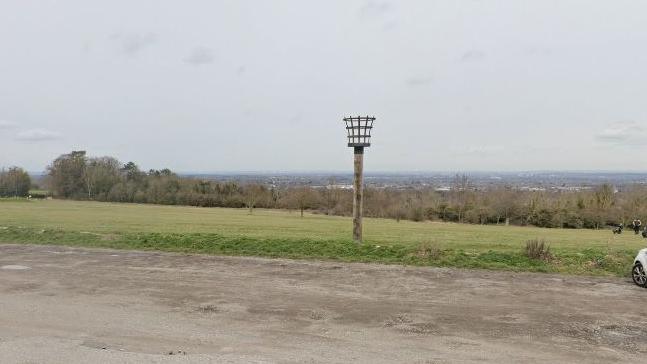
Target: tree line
[78, 176]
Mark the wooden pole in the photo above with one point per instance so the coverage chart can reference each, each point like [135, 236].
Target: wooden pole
[358, 194]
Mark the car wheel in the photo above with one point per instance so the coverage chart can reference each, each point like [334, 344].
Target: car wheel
[638, 275]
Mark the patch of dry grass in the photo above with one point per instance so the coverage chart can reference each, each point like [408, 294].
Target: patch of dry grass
[538, 249]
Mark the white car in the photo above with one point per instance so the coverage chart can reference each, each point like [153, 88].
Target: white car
[638, 271]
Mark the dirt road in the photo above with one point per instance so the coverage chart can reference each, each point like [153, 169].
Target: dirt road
[65, 305]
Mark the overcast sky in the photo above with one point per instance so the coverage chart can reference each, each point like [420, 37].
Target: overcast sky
[238, 85]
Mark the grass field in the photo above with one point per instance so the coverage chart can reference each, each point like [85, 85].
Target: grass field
[285, 234]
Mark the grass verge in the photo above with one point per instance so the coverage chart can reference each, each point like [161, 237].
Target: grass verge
[590, 261]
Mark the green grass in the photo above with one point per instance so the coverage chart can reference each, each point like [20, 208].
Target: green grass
[274, 233]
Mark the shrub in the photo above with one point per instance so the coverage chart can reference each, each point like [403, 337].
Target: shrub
[543, 218]
[538, 249]
[417, 214]
[428, 251]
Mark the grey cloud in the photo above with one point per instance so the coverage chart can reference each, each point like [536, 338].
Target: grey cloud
[5, 125]
[375, 8]
[200, 56]
[623, 133]
[37, 135]
[133, 43]
[479, 150]
[390, 25]
[418, 81]
[473, 55]
[86, 47]
[296, 118]
[537, 51]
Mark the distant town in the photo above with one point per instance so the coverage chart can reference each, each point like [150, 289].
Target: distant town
[441, 181]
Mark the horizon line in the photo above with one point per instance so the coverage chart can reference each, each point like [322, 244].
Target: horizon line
[396, 172]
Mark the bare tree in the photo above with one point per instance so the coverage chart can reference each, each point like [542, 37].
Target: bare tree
[462, 194]
[331, 195]
[603, 196]
[504, 203]
[301, 198]
[253, 193]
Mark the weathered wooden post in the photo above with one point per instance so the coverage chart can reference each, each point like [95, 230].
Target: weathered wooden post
[359, 136]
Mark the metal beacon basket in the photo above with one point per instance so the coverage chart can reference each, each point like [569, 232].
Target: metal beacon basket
[359, 130]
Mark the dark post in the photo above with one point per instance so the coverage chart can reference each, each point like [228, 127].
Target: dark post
[358, 194]
[359, 136]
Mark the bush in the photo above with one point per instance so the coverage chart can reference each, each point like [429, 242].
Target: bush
[428, 251]
[538, 249]
[543, 218]
[417, 214]
[573, 221]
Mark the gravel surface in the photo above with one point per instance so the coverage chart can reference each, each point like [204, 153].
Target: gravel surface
[69, 305]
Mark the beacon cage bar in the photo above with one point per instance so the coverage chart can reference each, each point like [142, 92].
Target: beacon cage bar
[359, 130]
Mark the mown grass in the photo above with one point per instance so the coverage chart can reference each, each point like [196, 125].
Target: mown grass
[272, 233]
